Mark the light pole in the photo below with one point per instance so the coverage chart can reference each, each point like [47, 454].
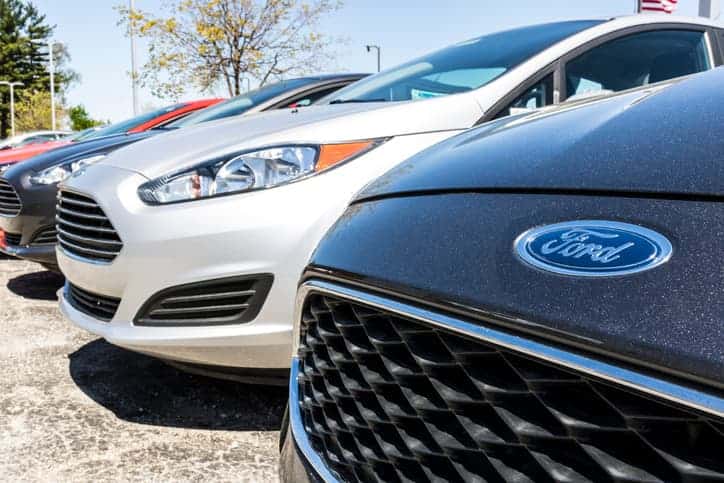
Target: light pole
[709, 8]
[12, 103]
[248, 83]
[379, 50]
[134, 74]
[51, 68]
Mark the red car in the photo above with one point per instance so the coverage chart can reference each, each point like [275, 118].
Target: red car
[136, 124]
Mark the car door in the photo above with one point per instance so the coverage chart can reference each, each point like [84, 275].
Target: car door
[615, 62]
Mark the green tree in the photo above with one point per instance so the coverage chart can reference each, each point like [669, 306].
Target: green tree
[203, 43]
[24, 33]
[32, 111]
[80, 119]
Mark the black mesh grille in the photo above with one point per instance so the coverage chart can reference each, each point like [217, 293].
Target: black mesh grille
[84, 229]
[46, 236]
[10, 204]
[386, 398]
[218, 302]
[13, 239]
[97, 306]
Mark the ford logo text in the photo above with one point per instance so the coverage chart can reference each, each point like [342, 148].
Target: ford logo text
[593, 248]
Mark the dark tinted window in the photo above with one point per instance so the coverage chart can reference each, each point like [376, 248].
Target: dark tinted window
[240, 104]
[538, 95]
[637, 60]
[127, 125]
[462, 67]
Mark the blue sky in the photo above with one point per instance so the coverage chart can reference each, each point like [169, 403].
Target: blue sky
[404, 28]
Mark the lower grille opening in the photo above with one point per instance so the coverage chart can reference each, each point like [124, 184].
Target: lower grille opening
[98, 306]
[384, 397]
[219, 302]
[13, 239]
[46, 236]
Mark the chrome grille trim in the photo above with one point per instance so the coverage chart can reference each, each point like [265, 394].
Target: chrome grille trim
[84, 231]
[617, 376]
[10, 203]
[682, 395]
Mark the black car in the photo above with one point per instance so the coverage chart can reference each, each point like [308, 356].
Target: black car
[28, 189]
[538, 299]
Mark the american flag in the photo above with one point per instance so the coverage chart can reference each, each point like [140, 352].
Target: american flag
[660, 6]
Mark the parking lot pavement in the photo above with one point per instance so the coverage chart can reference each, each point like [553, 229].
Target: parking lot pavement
[73, 407]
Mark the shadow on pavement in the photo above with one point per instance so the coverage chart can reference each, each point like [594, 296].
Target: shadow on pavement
[37, 285]
[144, 390]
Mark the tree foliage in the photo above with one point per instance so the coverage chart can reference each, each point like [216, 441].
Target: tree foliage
[24, 33]
[204, 43]
[32, 111]
[80, 119]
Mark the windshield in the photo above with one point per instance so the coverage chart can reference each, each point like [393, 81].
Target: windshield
[240, 104]
[461, 67]
[125, 126]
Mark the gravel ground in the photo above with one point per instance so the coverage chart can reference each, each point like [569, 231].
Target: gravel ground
[73, 407]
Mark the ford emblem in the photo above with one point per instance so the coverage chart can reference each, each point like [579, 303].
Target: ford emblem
[593, 248]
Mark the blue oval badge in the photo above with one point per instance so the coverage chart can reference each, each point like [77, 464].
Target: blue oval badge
[593, 248]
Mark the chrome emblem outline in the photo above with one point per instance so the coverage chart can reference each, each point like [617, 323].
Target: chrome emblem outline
[581, 231]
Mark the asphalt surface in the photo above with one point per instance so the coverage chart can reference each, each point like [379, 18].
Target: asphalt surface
[73, 407]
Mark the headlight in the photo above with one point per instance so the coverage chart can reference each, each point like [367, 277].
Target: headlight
[5, 167]
[61, 172]
[250, 170]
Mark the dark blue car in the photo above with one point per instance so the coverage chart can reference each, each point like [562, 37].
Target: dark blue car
[538, 299]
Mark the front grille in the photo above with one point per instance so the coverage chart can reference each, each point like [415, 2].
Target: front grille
[219, 302]
[84, 230]
[388, 398]
[97, 306]
[46, 236]
[13, 239]
[10, 204]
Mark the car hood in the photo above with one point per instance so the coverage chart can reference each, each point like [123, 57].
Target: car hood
[662, 140]
[74, 150]
[24, 152]
[315, 124]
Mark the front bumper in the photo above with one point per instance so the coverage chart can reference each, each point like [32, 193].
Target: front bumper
[189, 243]
[44, 254]
[36, 217]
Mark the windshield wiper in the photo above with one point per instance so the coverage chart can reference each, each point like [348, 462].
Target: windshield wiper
[351, 101]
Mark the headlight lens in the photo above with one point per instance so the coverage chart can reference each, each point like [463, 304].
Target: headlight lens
[5, 167]
[249, 170]
[61, 172]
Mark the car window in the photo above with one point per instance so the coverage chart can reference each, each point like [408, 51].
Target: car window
[637, 60]
[311, 98]
[538, 95]
[125, 126]
[462, 67]
[240, 104]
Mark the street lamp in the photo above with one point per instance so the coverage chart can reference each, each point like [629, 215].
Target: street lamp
[134, 73]
[50, 44]
[377, 48]
[12, 103]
